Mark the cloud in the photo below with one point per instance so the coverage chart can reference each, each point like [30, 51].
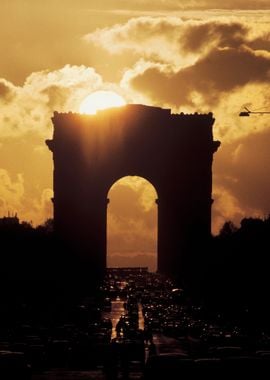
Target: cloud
[219, 72]
[15, 200]
[179, 41]
[11, 192]
[7, 91]
[29, 107]
[200, 36]
[243, 166]
[145, 36]
[241, 179]
[43, 206]
[227, 207]
[132, 217]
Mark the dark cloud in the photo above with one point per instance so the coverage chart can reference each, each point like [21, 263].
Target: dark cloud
[166, 35]
[197, 35]
[195, 48]
[243, 167]
[219, 72]
[261, 43]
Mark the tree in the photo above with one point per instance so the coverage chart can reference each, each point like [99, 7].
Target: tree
[228, 229]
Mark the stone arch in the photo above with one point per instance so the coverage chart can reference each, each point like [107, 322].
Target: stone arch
[173, 151]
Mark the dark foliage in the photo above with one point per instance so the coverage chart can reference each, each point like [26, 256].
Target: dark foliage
[237, 278]
[233, 274]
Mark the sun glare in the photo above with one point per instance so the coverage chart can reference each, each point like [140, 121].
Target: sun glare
[101, 100]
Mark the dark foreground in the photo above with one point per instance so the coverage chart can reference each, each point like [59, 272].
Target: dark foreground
[137, 326]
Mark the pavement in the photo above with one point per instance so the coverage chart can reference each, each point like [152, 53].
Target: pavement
[163, 344]
[62, 374]
[115, 313]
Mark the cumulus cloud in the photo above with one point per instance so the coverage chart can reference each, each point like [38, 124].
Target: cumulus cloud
[146, 36]
[219, 72]
[29, 107]
[179, 41]
[42, 207]
[241, 179]
[7, 91]
[244, 166]
[15, 200]
[198, 36]
[228, 207]
[11, 191]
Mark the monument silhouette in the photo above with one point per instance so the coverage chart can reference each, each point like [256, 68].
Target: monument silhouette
[174, 152]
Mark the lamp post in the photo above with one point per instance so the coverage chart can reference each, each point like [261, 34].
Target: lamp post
[248, 112]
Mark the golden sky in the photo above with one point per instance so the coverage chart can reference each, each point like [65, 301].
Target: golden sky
[186, 55]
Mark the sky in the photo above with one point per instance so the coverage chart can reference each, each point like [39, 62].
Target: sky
[190, 56]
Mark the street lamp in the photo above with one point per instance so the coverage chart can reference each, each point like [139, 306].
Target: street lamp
[248, 112]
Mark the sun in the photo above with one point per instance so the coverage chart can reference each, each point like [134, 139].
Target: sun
[101, 100]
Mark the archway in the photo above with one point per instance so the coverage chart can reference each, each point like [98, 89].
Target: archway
[132, 224]
[173, 151]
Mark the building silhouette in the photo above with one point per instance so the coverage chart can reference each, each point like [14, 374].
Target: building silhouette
[174, 152]
[9, 221]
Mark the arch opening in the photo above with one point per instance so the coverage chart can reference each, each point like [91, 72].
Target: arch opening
[132, 224]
